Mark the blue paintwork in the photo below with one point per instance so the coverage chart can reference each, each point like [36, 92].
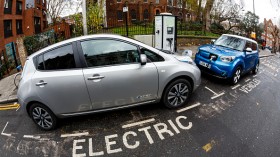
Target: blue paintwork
[247, 61]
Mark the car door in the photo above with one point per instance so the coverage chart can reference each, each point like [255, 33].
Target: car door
[59, 81]
[114, 75]
[249, 57]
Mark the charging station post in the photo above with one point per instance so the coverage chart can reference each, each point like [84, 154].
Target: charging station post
[166, 32]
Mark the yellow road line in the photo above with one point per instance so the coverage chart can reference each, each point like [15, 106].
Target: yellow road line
[209, 146]
[9, 107]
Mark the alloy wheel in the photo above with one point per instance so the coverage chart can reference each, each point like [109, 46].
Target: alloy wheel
[236, 76]
[178, 94]
[42, 118]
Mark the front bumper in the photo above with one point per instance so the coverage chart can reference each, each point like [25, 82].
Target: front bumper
[216, 68]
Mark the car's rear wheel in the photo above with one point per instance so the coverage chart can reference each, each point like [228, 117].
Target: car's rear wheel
[236, 76]
[177, 93]
[256, 69]
[42, 116]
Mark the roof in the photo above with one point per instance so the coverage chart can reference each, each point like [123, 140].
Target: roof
[244, 38]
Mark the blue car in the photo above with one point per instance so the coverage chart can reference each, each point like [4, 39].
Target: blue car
[229, 57]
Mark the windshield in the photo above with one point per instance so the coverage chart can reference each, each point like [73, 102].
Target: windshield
[231, 42]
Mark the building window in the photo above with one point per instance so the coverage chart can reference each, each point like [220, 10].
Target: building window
[19, 8]
[132, 1]
[37, 24]
[157, 12]
[145, 1]
[119, 1]
[179, 4]
[146, 14]
[8, 28]
[157, 1]
[133, 15]
[19, 27]
[170, 2]
[8, 7]
[38, 1]
[120, 15]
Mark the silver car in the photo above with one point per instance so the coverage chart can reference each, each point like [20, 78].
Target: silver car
[100, 73]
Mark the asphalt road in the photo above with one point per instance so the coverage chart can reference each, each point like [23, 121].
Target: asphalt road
[220, 120]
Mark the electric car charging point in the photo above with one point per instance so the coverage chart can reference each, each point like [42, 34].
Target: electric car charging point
[166, 32]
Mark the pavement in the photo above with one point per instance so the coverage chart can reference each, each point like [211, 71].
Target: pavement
[8, 91]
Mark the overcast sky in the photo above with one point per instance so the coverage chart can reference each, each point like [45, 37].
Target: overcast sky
[264, 9]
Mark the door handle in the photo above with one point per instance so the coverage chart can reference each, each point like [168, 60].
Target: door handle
[96, 77]
[41, 83]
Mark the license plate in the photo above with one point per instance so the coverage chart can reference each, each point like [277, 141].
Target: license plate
[205, 64]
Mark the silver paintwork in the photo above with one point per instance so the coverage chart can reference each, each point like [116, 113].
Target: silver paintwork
[88, 90]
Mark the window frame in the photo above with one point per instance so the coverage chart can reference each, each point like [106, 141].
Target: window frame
[8, 7]
[19, 31]
[9, 33]
[75, 53]
[18, 6]
[83, 59]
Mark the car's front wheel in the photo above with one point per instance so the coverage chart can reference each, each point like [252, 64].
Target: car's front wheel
[256, 69]
[177, 93]
[236, 76]
[42, 116]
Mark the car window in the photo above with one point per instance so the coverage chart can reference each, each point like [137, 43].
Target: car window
[57, 59]
[230, 42]
[254, 47]
[151, 56]
[109, 52]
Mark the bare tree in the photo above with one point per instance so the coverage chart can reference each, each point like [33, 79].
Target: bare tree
[275, 35]
[228, 11]
[56, 7]
[206, 15]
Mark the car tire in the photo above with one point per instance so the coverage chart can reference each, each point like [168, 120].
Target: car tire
[177, 93]
[256, 69]
[42, 116]
[236, 76]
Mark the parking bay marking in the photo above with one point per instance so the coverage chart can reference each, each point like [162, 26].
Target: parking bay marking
[187, 108]
[5, 134]
[138, 123]
[215, 94]
[31, 136]
[236, 86]
[74, 135]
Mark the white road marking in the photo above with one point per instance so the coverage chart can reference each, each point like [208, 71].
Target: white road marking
[18, 108]
[76, 134]
[5, 134]
[247, 80]
[255, 75]
[211, 90]
[235, 86]
[187, 108]
[31, 136]
[138, 123]
[218, 95]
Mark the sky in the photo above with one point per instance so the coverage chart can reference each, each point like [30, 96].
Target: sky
[264, 9]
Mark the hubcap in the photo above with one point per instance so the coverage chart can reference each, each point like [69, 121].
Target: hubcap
[178, 94]
[42, 117]
[257, 68]
[237, 75]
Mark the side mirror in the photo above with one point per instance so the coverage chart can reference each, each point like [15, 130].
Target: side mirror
[143, 59]
[213, 41]
[248, 49]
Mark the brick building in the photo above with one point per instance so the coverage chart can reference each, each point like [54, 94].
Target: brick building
[141, 10]
[19, 18]
[268, 31]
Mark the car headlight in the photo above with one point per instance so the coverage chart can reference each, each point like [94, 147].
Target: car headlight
[227, 58]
